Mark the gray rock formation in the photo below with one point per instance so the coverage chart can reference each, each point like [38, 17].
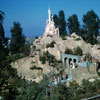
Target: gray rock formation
[40, 45]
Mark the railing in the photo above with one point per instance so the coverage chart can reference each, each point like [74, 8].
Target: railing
[92, 98]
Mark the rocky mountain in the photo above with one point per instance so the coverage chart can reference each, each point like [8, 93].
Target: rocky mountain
[55, 45]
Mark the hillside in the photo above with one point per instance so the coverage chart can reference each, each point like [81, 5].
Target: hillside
[58, 47]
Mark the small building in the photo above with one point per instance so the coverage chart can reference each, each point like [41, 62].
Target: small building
[69, 59]
[73, 60]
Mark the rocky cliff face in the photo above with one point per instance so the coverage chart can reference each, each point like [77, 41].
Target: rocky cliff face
[69, 42]
[57, 48]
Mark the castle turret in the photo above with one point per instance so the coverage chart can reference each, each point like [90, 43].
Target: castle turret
[50, 27]
[49, 14]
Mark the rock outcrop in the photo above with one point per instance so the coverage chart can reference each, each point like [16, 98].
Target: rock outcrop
[59, 45]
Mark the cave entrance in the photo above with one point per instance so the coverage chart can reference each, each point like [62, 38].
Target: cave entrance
[66, 60]
[70, 61]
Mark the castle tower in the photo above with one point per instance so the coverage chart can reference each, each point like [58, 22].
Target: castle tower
[49, 15]
[50, 27]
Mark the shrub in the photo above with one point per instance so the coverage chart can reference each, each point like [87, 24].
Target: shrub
[64, 38]
[35, 68]
[26, 50]
[78, 51]
[77, 39]
[50, 45]
[42, 59]
[68, 51]
[48, 57]
[15, 57]
[59, 61]
[38, 50]
[32, 56]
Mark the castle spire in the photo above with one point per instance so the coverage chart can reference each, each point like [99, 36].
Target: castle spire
[49, 15]
[50, 27]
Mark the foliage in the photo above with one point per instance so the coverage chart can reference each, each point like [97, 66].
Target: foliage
[2, 14]
[98, 73]
[64, 38]
[35, 68]
[73, 24]
[77, 39]
[68, 51]
[17, 39]
[3, 40]
[55, 18]
[49, 58]
[91, 24]
[9, 92]
[15, 57]
[78, 51]
[74, 86]
[88, 86]
[26, 50]
[88, 31]
[60, 92]
[30, 92]
[3, 52]
[88, 57]
[42, 59]
[2, 37]
[62, 23]
[9, 81]
[34, 91]
[50, 45]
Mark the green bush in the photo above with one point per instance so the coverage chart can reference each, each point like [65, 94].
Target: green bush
[63, 37]
[42, 59]
[32, 56]
[51, 44]
[48, 57]
[35, 68]
[68, 51]
[78, 51]
[77, 39]
[15, 57]
[26, 50]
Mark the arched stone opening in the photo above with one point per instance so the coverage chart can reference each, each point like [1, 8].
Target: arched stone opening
[70, 61]
[74, 61]
[98, 67]
[65, 60]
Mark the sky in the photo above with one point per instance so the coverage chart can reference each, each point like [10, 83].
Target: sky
[32, 14]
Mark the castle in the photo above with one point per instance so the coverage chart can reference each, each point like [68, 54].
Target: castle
[50, 27]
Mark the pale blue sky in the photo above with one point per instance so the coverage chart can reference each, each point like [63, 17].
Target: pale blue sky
[32, 14]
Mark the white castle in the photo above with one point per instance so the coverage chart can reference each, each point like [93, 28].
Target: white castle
[50, 27]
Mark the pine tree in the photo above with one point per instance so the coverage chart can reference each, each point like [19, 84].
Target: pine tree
[17, 39]
[2, 37]
[55, 18]
[62, 23]
[73, 24]
[3, 40]
[91, 23]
